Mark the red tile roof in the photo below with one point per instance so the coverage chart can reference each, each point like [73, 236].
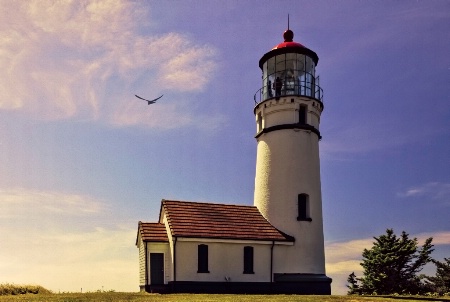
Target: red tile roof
[153, 232]
[209, 220]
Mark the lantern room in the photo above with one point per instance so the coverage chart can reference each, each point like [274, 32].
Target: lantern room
[289, 70]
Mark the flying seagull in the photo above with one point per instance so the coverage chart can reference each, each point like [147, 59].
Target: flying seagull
[149, 101]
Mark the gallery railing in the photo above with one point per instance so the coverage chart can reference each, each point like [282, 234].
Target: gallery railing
[307, 89]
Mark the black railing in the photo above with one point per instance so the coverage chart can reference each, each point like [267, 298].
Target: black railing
[289, 89]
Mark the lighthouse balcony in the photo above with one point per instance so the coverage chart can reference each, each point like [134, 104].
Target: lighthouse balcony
[289, 88]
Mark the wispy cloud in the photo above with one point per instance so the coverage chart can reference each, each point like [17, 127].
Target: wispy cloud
[20, 203]
[346, 251]
[68, 261]
[343, 258]
[168, 116]
[434, 190]
[439, 238]
[53, 233]
[86, 59]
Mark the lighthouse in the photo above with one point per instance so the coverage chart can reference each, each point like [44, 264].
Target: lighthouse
[275, 245]
[287, 110]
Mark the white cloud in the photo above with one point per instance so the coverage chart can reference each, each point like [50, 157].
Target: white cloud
[434, 190]
[85, 59]
[168, 116]
[345, 251]
[189, 70]
[66, 260]
[439, 238]
[20, 204]
[343, 258]
[65, 242]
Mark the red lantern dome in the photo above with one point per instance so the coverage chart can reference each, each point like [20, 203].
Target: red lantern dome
[288, 41]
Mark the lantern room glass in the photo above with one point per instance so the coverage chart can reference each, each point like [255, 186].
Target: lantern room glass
[289, 74]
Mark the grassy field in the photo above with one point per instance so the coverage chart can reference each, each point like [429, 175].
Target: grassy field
[141, 297]
[14, 292]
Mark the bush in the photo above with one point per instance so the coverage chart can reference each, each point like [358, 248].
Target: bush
[15, 289]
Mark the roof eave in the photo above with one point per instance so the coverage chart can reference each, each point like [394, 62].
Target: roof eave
[279, 51]
[160, 209]
[138, 232]
[212, 238]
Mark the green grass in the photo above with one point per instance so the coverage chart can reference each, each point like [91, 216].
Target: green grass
[17, 289]
[141, 297]
[13, 292]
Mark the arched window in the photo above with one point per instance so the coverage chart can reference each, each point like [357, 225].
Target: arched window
[303, 208]
[202, 259]
[248, 260]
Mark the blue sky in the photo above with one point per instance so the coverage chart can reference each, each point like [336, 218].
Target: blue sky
[82, 160]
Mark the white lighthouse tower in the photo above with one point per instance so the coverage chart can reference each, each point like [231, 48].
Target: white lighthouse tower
[287, 182]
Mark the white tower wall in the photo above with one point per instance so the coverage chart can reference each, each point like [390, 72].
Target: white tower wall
[287, 165]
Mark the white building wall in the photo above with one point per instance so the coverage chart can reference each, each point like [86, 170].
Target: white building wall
[225, 260]
[285, 113]
[141, 247]
[169, 260]
[287, 165]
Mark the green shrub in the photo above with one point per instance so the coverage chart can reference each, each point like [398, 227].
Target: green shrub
[16, 289]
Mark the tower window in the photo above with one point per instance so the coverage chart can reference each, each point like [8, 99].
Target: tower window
[202, 259]
[248, 260]
[259, 122]
[303, 208]
[302, 114]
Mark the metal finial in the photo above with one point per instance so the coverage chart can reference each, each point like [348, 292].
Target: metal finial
[288, 34]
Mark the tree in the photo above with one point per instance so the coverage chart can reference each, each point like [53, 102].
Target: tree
[353, 287]
[441, 282]
[392, 265]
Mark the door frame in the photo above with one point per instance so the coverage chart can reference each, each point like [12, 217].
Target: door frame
[150, 269]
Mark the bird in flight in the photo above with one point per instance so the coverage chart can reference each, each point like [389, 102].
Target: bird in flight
[149, 101]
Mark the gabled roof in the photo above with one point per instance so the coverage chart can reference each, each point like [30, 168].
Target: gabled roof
[224, 221]
[153, 232]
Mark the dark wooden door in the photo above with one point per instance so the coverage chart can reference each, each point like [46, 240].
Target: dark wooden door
[156, 268]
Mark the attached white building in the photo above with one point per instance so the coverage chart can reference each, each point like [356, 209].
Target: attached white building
[275, 246]
[196, 245]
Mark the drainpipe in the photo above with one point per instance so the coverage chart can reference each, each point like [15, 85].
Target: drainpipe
[174, 260]
[146, 266]
[271, 261]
